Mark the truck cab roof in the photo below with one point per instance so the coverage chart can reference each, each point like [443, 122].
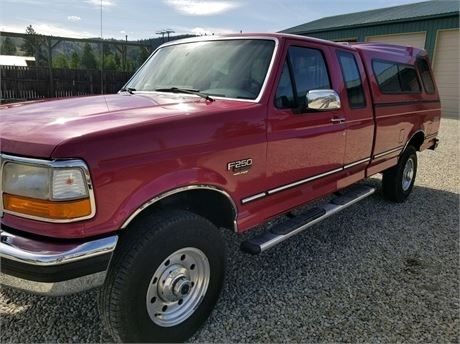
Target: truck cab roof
[383, 48]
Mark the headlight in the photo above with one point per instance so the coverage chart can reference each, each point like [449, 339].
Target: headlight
[26, 180]
[47, 191]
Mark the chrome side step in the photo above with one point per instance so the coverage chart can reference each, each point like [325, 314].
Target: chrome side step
[297, 224]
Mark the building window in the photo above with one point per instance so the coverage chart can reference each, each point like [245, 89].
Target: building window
[425, 73]
[395, 77]
[352, 79]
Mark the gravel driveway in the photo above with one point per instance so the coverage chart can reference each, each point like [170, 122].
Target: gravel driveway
[378, 272]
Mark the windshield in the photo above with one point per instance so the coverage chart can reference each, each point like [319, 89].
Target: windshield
[226, 68]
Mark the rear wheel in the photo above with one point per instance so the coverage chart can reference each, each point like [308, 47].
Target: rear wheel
[165, 279]
[398, 181]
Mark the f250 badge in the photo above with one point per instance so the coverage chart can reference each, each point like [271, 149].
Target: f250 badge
[239, 166]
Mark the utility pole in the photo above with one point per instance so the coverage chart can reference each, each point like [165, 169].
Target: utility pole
[168, 31]
[102, 57]
[125, 63]
[164, 32]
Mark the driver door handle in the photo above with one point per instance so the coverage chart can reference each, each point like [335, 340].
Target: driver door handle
[338, 120]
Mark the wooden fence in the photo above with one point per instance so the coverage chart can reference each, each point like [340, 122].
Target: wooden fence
[27, 83]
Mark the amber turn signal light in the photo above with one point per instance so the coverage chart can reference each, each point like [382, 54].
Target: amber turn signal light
[62, 210]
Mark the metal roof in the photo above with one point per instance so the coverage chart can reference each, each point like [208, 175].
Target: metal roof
[379, 16]
[11, 60]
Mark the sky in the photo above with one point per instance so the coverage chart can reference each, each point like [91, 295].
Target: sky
[141, 19]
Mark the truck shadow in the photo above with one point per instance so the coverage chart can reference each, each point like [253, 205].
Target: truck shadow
[396, 262]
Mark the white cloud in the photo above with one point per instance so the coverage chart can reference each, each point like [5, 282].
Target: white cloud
[50, 29]
[201, 7]
[210, 30]
[73, 19]
[97, 3]
[123, 32]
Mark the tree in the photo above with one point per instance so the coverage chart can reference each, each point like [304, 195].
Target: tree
[8, 47]
[60, 61]
[143, 55]
[74, 60]
[32, 46]
[31, 42]
[109, 62]
[118, 62]
[130, 65]
[88, 60]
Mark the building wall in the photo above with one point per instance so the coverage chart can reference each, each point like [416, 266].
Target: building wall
[430, 26]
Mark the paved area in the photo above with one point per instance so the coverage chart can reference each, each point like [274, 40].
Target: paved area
[378, 272]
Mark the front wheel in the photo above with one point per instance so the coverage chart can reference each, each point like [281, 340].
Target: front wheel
[165, 279]
[398, 181]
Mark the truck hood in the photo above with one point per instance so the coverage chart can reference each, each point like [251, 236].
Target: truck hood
[36, 128]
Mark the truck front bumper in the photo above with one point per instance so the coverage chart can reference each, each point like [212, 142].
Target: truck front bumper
[54, 268]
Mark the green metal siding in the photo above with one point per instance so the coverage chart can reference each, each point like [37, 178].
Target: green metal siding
[430, 26]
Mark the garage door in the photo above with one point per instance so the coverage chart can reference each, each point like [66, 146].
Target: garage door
[446, 71]
[412, 39]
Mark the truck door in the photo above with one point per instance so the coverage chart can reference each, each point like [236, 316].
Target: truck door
[358, 106]
[305, 148]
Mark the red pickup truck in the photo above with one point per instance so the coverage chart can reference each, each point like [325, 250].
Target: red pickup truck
[126, 192]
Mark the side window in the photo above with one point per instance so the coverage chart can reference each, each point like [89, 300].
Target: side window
[387, 76]
[309, 70]
[425, 73]
[284, 93]
[352, 79]
[396, 77]
[409, 80]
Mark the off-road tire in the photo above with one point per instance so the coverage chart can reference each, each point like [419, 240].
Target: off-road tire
[140, 250]
[392, 181]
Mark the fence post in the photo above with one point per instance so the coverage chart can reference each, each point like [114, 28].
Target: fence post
[50, 67]
[91, 86]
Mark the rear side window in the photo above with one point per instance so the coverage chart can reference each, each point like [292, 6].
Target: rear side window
[396, 77]
[408, 78]
[352, 79]
[425, 73]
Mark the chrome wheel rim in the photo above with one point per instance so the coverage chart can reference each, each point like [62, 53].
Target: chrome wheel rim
[408, 174]
[177, 287]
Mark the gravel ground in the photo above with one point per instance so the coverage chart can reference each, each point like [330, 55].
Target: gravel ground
[378, 272]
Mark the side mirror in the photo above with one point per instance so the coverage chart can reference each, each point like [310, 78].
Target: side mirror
[322, 100]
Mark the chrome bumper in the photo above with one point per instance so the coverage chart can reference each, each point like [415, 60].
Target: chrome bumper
[54, 268]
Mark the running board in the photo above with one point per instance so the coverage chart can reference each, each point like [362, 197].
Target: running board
[299, 223]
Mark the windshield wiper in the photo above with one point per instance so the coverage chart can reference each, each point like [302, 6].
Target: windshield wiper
[128, 89]
[185, 90]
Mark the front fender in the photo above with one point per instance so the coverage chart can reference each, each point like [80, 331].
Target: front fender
[168, 184]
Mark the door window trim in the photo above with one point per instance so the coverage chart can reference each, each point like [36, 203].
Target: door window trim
[292, 78]
[338, 53]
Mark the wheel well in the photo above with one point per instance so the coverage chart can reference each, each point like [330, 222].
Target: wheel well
[213, 205]
[417, 140]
